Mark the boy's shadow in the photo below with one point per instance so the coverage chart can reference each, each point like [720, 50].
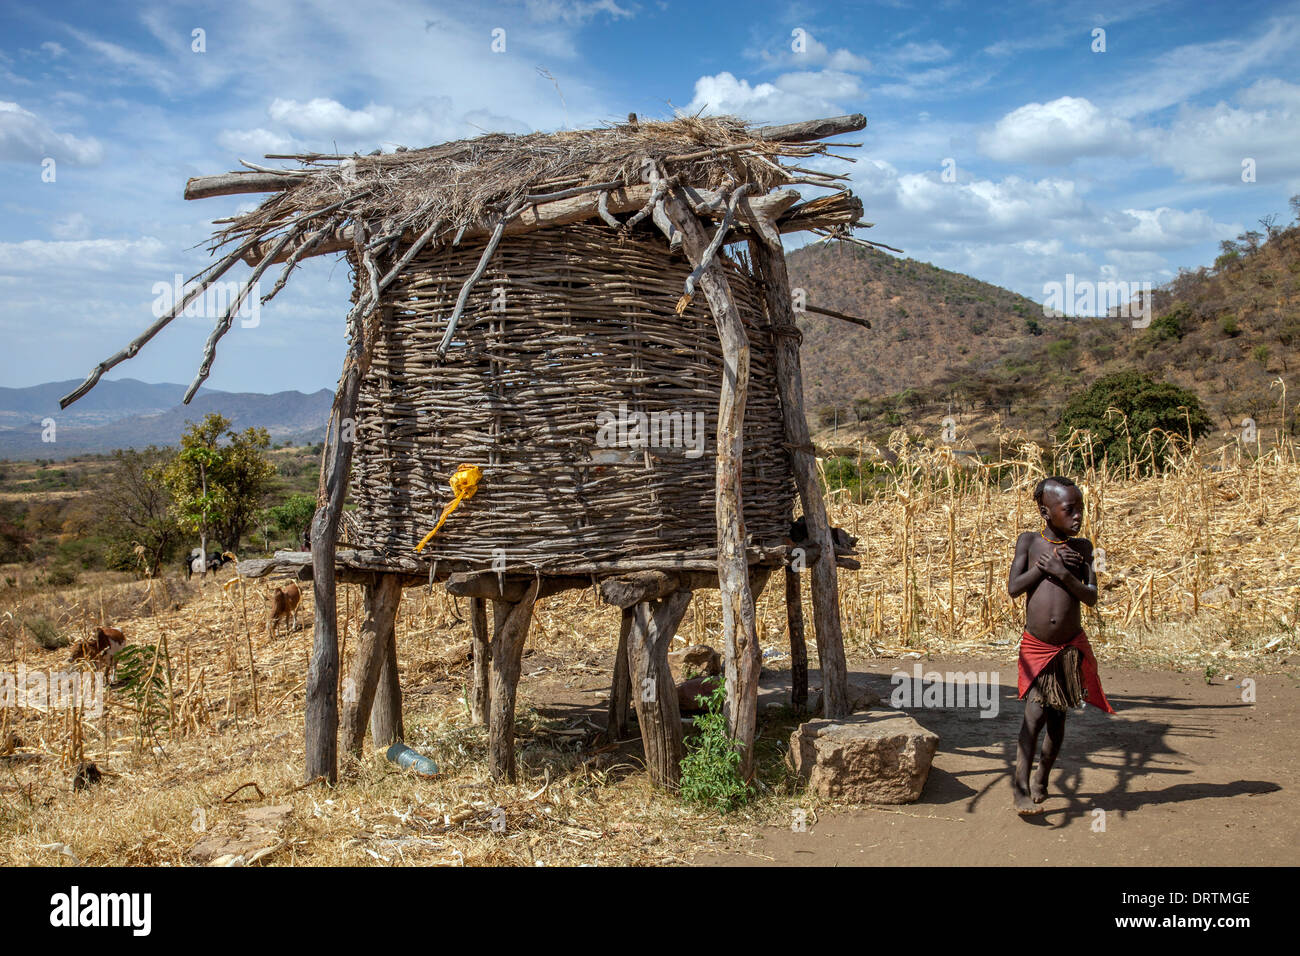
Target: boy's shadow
[1091, 739]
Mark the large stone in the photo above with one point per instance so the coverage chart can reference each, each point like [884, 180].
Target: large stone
[697, 660]
[877, 757]
[689, 692]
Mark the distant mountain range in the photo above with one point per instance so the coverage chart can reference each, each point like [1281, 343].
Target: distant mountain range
[126, 413]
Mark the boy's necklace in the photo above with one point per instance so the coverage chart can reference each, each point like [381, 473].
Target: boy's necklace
[1052, 540]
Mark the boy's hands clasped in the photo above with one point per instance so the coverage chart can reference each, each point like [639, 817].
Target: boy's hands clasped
[1060, 561]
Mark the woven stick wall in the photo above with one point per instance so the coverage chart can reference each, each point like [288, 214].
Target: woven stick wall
[583, 323]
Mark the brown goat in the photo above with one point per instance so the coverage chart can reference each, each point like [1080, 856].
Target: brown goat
[284, 606]
[100, 649]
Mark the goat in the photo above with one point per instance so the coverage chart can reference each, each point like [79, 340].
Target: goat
[214, 563]
[284, 606]
[100, 649]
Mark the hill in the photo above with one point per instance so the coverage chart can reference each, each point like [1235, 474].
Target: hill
[126, 413]
[944, 343]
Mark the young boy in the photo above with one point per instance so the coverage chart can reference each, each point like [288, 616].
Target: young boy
[1057, 666]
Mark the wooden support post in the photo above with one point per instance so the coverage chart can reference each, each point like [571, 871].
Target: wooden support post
[739, 627]
[653, 690]
[379, 601]
[322, 704]
[620, 695]
[481, 695]
[768, 255]
[798, 649]
[507, 657]
[386, 727]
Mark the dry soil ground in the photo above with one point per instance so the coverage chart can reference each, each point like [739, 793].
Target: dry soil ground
[1185, 773]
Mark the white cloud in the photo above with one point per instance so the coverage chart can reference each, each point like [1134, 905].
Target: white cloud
[25, 137]
[1056, 133]
[1210, 143]
[573, 11]
[55, 50]
[930, 52]
[801, 50]
[1162, 228]
[256, 142]
[788, 98]
[321, 116]
[82, 255]
[72, 226]
[1021, 233]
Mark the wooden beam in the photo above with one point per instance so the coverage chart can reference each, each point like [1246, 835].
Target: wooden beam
[739, 627]
[359, 567]
[770, 260]
[560, 212]
[812, 129]
[386, 726]
[486, 584]
[798, 647]
[321, 708]
[626, 590]
[620, 694]
[507, 658]
[831, 313]
[379, 610]
[654, 693]
[236, 184]
[481, 695]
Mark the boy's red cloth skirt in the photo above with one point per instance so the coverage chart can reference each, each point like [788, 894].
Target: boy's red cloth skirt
[1036, 654]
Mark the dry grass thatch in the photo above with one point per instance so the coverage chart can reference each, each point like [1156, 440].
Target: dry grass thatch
[463, 182]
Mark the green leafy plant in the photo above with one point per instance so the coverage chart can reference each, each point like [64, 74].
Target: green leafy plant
[144, 672]
[711, 767]
[1143, 404]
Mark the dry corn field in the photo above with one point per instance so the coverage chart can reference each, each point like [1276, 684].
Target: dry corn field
[1202, 570]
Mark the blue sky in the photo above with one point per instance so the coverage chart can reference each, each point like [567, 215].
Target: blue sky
[1123, 164]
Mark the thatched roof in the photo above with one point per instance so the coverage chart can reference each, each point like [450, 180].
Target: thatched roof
[383, 205]
[465, 181]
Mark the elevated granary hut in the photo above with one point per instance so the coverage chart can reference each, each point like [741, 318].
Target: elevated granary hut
[574, 355]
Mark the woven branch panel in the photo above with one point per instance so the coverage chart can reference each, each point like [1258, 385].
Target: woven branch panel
[567, 336]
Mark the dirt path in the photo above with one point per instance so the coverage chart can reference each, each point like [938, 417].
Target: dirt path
[1186, 773]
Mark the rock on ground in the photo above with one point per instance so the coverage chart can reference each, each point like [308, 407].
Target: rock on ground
[697, 660]
[877, 757]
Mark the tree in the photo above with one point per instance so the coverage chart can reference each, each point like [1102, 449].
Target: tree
[15, 540]
[1145, 403]
[294, 515]
[136, 508]
[219, 488]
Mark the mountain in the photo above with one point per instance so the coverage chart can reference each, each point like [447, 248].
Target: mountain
[944, 343]
[926, 321]
[125, 413]
[106, 402]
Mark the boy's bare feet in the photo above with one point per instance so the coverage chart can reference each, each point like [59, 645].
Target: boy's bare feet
[1025, 805]
[1038, 790]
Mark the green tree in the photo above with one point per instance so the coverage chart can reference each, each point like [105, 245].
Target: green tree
[1145, 403]
[294, 515]
[219, 479]
[1171, 324]
[137, 508]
